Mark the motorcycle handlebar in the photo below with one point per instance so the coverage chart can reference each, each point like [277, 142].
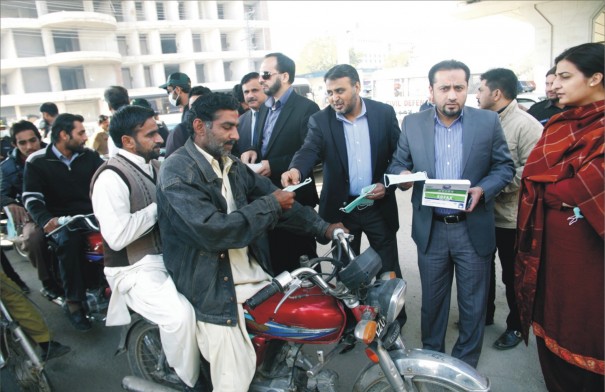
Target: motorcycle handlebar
[63, 221]
[264, 294]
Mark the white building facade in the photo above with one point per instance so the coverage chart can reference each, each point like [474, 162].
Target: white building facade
[68, 52]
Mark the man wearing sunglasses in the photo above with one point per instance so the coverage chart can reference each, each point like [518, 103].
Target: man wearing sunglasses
[282, 127]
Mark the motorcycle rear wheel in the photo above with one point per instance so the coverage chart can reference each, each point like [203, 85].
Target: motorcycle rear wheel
[377, 382]
[146, 358]
[29, 377]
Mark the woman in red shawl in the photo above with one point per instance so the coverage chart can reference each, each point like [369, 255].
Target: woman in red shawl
[559, 275]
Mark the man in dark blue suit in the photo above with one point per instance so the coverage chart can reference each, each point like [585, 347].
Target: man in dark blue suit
[281, 128]
[452, 142]
[255, 97]
[355, 139]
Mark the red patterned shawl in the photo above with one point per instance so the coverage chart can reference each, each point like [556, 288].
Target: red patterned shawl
[571, 146]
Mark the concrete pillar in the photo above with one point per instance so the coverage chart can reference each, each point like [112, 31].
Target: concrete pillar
[47, 41]
[41, 8]
[88, 6]
[158, 76]
[171, 8]
[132, 41]
[55, 79]
[138, 76]
[154, 43]
[151, 14]
[129, 11]
[215, 71]
[184, 42]
[9, 51]
[191, 10]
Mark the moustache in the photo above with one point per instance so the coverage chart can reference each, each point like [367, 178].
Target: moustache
[230, 142]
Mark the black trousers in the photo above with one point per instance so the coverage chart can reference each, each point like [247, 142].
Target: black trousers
[371, 222]
[505, 245]
[77, 274]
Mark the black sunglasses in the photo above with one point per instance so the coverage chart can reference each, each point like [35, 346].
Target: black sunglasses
[267, 75]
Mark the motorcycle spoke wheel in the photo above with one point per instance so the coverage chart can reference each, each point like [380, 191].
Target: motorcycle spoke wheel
[377, 382]
[146, 358]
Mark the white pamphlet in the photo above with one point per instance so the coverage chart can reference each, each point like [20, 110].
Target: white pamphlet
[446, 193]
[393, 179]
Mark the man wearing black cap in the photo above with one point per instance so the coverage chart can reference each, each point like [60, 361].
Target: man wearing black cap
[178, 86]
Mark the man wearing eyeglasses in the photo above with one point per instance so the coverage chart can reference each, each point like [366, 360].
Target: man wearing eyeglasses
[282, 128]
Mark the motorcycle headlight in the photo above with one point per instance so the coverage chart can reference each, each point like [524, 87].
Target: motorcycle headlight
[389, 297]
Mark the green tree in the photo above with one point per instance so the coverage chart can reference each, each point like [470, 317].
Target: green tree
[396, 60]
[318, 55]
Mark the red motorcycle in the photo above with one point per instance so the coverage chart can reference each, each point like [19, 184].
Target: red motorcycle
[301, 307]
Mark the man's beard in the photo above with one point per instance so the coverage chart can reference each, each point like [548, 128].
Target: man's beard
[273, 89]
[147, 155]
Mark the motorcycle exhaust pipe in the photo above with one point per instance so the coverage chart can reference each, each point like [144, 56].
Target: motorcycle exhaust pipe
[136, 384]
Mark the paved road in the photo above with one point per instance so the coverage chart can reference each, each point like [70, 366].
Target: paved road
[93, 367]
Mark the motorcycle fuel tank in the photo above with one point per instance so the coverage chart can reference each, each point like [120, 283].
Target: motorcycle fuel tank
[307, 316]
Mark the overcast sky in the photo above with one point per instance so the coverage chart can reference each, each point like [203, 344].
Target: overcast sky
[427, 25]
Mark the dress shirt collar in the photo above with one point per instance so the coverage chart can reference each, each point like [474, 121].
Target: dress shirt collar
[271, 102]
[459, 119]
[137, 160]
[63, 158]
[227, 162]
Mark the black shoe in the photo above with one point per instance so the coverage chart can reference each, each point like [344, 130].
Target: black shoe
[54, 350]
[79, 321]
[24, 287]
[509, 339]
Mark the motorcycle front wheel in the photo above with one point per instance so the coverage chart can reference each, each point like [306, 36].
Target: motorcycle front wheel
[374, 380]
[29, 377]
[146, 357]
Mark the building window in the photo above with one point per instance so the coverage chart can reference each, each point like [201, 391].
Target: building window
[182, 13]
[138, 6]
[58, 6]
[227, 69]
[4, 87]
[66, 41]
[168, 43]
[147, 74]
[72, 78]
[170, 69]
[16, 9]
[224, 42]
[200, 73]
[220, 11]
[126, 78]
[197, 42]
[28, 43]
[116, 6]
[102, 6]
[122, 46]
[35, 80]
[250, 12]
[159, 6]
[143, 44]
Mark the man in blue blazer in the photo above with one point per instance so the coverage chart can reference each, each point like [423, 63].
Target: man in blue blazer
[355, 139]
[452, 141]
[254, 98]
[281, 128]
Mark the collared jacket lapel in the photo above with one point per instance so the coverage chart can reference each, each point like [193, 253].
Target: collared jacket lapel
[338, 134]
